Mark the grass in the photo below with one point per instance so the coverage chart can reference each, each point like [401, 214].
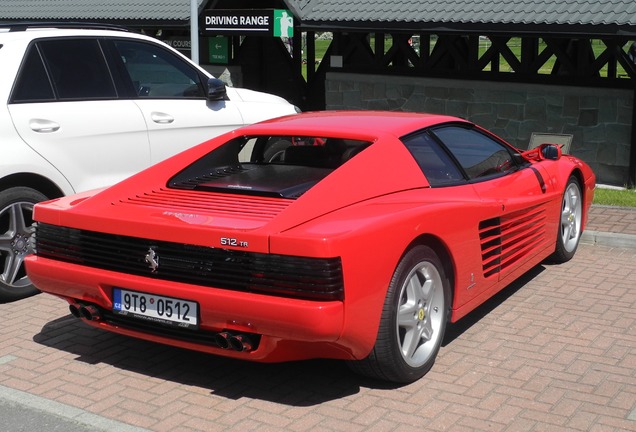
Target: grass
[514, 44]
[615, 197]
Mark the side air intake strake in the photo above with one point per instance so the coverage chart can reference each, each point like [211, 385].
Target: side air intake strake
[508, 239]
[282, 275]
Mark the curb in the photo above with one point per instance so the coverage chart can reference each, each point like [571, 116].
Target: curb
[609, 239]
[49, 414]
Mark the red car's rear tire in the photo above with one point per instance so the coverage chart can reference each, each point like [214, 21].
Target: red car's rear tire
[413, 322]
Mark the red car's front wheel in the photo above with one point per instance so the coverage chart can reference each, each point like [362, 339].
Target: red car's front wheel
[570, 222]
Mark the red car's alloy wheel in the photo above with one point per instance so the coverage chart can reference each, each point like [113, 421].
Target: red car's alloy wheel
[570, 222]
[571, 217]
[420, 314]
[414, 318]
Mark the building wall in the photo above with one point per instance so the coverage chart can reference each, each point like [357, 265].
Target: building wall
[599, 119]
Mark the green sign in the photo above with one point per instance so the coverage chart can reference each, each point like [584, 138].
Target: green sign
[283, 23]
[218, 50]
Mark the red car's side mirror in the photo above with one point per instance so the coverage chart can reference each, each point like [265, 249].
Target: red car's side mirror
[551, 151]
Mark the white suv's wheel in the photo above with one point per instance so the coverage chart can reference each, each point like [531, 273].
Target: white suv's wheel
[16, 209]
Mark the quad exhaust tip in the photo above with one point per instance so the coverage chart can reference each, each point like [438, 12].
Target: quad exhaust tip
[237, 342]
[74, 308]
[88, 312]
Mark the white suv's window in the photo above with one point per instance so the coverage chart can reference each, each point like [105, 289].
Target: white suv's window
[78, 69]
[33, 83]
[156, 73]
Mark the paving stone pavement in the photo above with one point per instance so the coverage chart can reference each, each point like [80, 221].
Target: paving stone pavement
[611, 226]
[555, 351]
[612, 219]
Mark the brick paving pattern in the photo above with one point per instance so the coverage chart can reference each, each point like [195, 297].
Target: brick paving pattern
[555, 351]
[613, 219]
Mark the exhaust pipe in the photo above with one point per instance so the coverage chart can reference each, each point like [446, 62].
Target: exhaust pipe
[223, 340]
[75, 310]
[236, 342]
[89, 312]
[241, 343]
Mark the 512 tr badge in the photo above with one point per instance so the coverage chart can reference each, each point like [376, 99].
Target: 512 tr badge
[228, 241]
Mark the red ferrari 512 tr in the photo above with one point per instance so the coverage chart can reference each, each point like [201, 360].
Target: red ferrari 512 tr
[346, 235]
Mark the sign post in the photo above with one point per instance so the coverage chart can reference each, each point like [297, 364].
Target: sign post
[194, 31]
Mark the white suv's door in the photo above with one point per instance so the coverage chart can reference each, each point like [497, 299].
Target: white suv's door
[93, 144]
[78, 124]
[171, 94]
[175, 125]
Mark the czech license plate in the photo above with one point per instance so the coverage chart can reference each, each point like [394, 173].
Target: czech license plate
[155, 308]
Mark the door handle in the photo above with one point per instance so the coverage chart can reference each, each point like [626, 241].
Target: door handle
[43, 126]
[161, 118]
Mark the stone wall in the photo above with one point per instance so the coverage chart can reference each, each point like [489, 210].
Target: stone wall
[599, 119]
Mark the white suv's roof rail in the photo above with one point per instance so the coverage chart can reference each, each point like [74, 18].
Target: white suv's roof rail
[26, 25]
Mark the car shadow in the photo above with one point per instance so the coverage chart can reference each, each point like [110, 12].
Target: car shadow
[454, 330]
[298, 383]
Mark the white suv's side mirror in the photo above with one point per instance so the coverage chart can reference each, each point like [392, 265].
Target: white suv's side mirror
[216, 90]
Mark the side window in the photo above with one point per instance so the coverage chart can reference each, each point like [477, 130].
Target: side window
[77, 68]
[435, 163]
[33, 84]
[158, 73]
[478, 154]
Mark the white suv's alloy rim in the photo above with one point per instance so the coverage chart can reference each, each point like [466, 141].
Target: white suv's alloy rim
[15, 243]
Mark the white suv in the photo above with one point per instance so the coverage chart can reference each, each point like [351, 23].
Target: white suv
[83, 108]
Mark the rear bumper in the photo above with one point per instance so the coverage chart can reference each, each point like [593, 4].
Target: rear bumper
[287, 329]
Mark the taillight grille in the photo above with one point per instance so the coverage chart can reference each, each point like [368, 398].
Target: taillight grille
[283, 275]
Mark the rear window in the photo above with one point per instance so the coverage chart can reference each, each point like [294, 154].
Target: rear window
[434, 161]
[277, 166]
[33, 83]
[63, 69]
[78, 68]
